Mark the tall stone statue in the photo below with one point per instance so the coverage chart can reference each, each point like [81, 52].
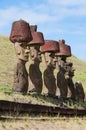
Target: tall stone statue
[20, 73]
[49, 49]
[70, 70]
[20, 36]
[66, 71]
[35, 75]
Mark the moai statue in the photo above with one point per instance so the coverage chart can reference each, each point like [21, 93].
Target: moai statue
[70, 72]
[64, 75]
[62, 82]
[33, 28]
[20, 36]
[35, 75]
[49, 49]
[79, 91]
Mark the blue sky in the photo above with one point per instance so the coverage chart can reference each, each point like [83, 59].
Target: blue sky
[57, 19]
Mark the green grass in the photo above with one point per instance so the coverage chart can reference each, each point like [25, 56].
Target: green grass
[7, 89]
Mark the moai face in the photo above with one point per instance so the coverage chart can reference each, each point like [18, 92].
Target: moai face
[50, 59]
[35, 53]
[70, 70]
[22, 51]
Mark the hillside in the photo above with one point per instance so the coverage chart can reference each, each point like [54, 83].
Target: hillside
[8, 60]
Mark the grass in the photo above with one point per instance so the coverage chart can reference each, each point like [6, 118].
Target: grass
[7, 89]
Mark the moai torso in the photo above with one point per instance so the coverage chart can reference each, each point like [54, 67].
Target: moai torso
[20, 78]
[35, 75]
[61, 80]
[66, 72]
[70, 71]
[20, 73]
[62, 84]
[50, 81]
[49, 77]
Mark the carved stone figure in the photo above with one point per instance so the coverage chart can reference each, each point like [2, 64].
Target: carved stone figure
[66, 71]
[61, 79]
[20, 32]
[34, 69]
[49, 78]
[79, 91]
[35, 75]
[49, 49]
[20, 36]
[20, 73]
[70, 70]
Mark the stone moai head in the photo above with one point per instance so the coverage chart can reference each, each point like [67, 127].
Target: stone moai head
[48, 49]
[20, 36]
[22, 51]
[35, 44]
[70, 69]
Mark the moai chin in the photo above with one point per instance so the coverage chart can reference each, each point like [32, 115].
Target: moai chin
[49, 49]
[20, 35]
[35, 75]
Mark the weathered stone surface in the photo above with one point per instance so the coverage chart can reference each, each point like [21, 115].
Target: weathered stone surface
[64, 77]
[20, 73]
[79, 91]
[20, 78]
[48, 49]
[50, 81]
[35, 76]
[62, 84]
[20, 32]
[70, 83]
[50, 46]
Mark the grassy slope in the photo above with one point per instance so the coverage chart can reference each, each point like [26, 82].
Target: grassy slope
[8, 60]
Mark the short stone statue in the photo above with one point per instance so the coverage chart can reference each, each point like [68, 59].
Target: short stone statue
[79, 91]
[49, 49]
[66, 71]
[35, 75]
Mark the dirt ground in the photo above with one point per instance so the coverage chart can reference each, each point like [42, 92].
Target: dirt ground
[45, 124]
